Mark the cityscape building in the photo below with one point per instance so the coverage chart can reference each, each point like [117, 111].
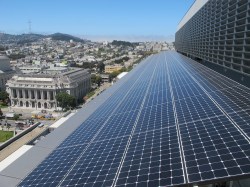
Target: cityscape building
[38, 91]
[112, 68]
[29, 69]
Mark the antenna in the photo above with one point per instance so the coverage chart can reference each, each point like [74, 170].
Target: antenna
[29, 22]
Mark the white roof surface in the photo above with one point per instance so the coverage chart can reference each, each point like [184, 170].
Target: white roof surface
[61, 121]
[121, 75]
[34, 79]
[10, 159]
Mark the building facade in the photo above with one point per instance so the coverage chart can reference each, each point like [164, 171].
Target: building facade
[30, 69]
[217, 34]
[5, 72]
[112, 68]
[38, 91]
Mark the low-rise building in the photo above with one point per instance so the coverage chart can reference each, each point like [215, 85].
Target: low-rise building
[105, 77]
[53, 70]
[38, 91]
[112, 68]
[30, 69]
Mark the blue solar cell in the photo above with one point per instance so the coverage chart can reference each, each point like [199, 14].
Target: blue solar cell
[155, 152]
[173, 122]
[99, 163]
[196, 108]
[53, 168]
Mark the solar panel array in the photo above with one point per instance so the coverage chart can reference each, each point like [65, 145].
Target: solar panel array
[174, 122]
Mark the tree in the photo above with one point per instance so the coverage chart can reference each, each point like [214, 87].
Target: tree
[2, 48]
[4, 98]
[93, 78]
[101, 67]
[16, 56]
[8, 126]
[123, 70]
[113, 75]
[129, 68]
[15, 117]
[86, 65]
[98, 80]
[3, 95]
[65, 100]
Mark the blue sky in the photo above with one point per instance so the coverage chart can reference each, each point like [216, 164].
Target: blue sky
[155, 19]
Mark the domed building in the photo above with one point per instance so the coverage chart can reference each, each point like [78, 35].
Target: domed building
[38, 91]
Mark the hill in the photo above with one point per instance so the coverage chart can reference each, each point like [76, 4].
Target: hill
[19, 39]
[123, 43]
[28, 38]
[65, 37]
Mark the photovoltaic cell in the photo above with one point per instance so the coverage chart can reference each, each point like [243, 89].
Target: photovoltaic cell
[208, 144]
[98, 166]
[52, 170]
[153, 160]
[195, 108]
[118, 125]
[172, 122]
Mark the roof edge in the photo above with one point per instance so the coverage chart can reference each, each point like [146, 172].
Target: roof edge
[194, 8]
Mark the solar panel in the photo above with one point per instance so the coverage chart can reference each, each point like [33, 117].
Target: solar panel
[153, 159]
[172, 122]
[213, 149]
[98, 165]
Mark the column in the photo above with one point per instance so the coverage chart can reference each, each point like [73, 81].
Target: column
[48, 95]
[24, 91]
[39, 94]
[17, 93]
[11, 93]
[35, 92]
[29, 94]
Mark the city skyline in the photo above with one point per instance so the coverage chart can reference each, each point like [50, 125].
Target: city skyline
[96, 20]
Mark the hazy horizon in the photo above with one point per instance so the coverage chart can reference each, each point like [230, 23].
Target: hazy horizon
[100, 38]
[96, 20]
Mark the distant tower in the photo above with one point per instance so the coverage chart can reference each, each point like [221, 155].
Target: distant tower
[29, 22]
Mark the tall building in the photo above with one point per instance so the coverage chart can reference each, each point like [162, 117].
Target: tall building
[6, 72]
[38, 91]
[216, 33]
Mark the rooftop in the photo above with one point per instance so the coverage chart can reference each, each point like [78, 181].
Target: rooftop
[197, 5]
[169, 114]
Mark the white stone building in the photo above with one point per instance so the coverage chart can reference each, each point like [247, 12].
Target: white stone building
[30, 69]
[38, 91]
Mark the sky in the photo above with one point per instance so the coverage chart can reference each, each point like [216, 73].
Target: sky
[95, 19]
